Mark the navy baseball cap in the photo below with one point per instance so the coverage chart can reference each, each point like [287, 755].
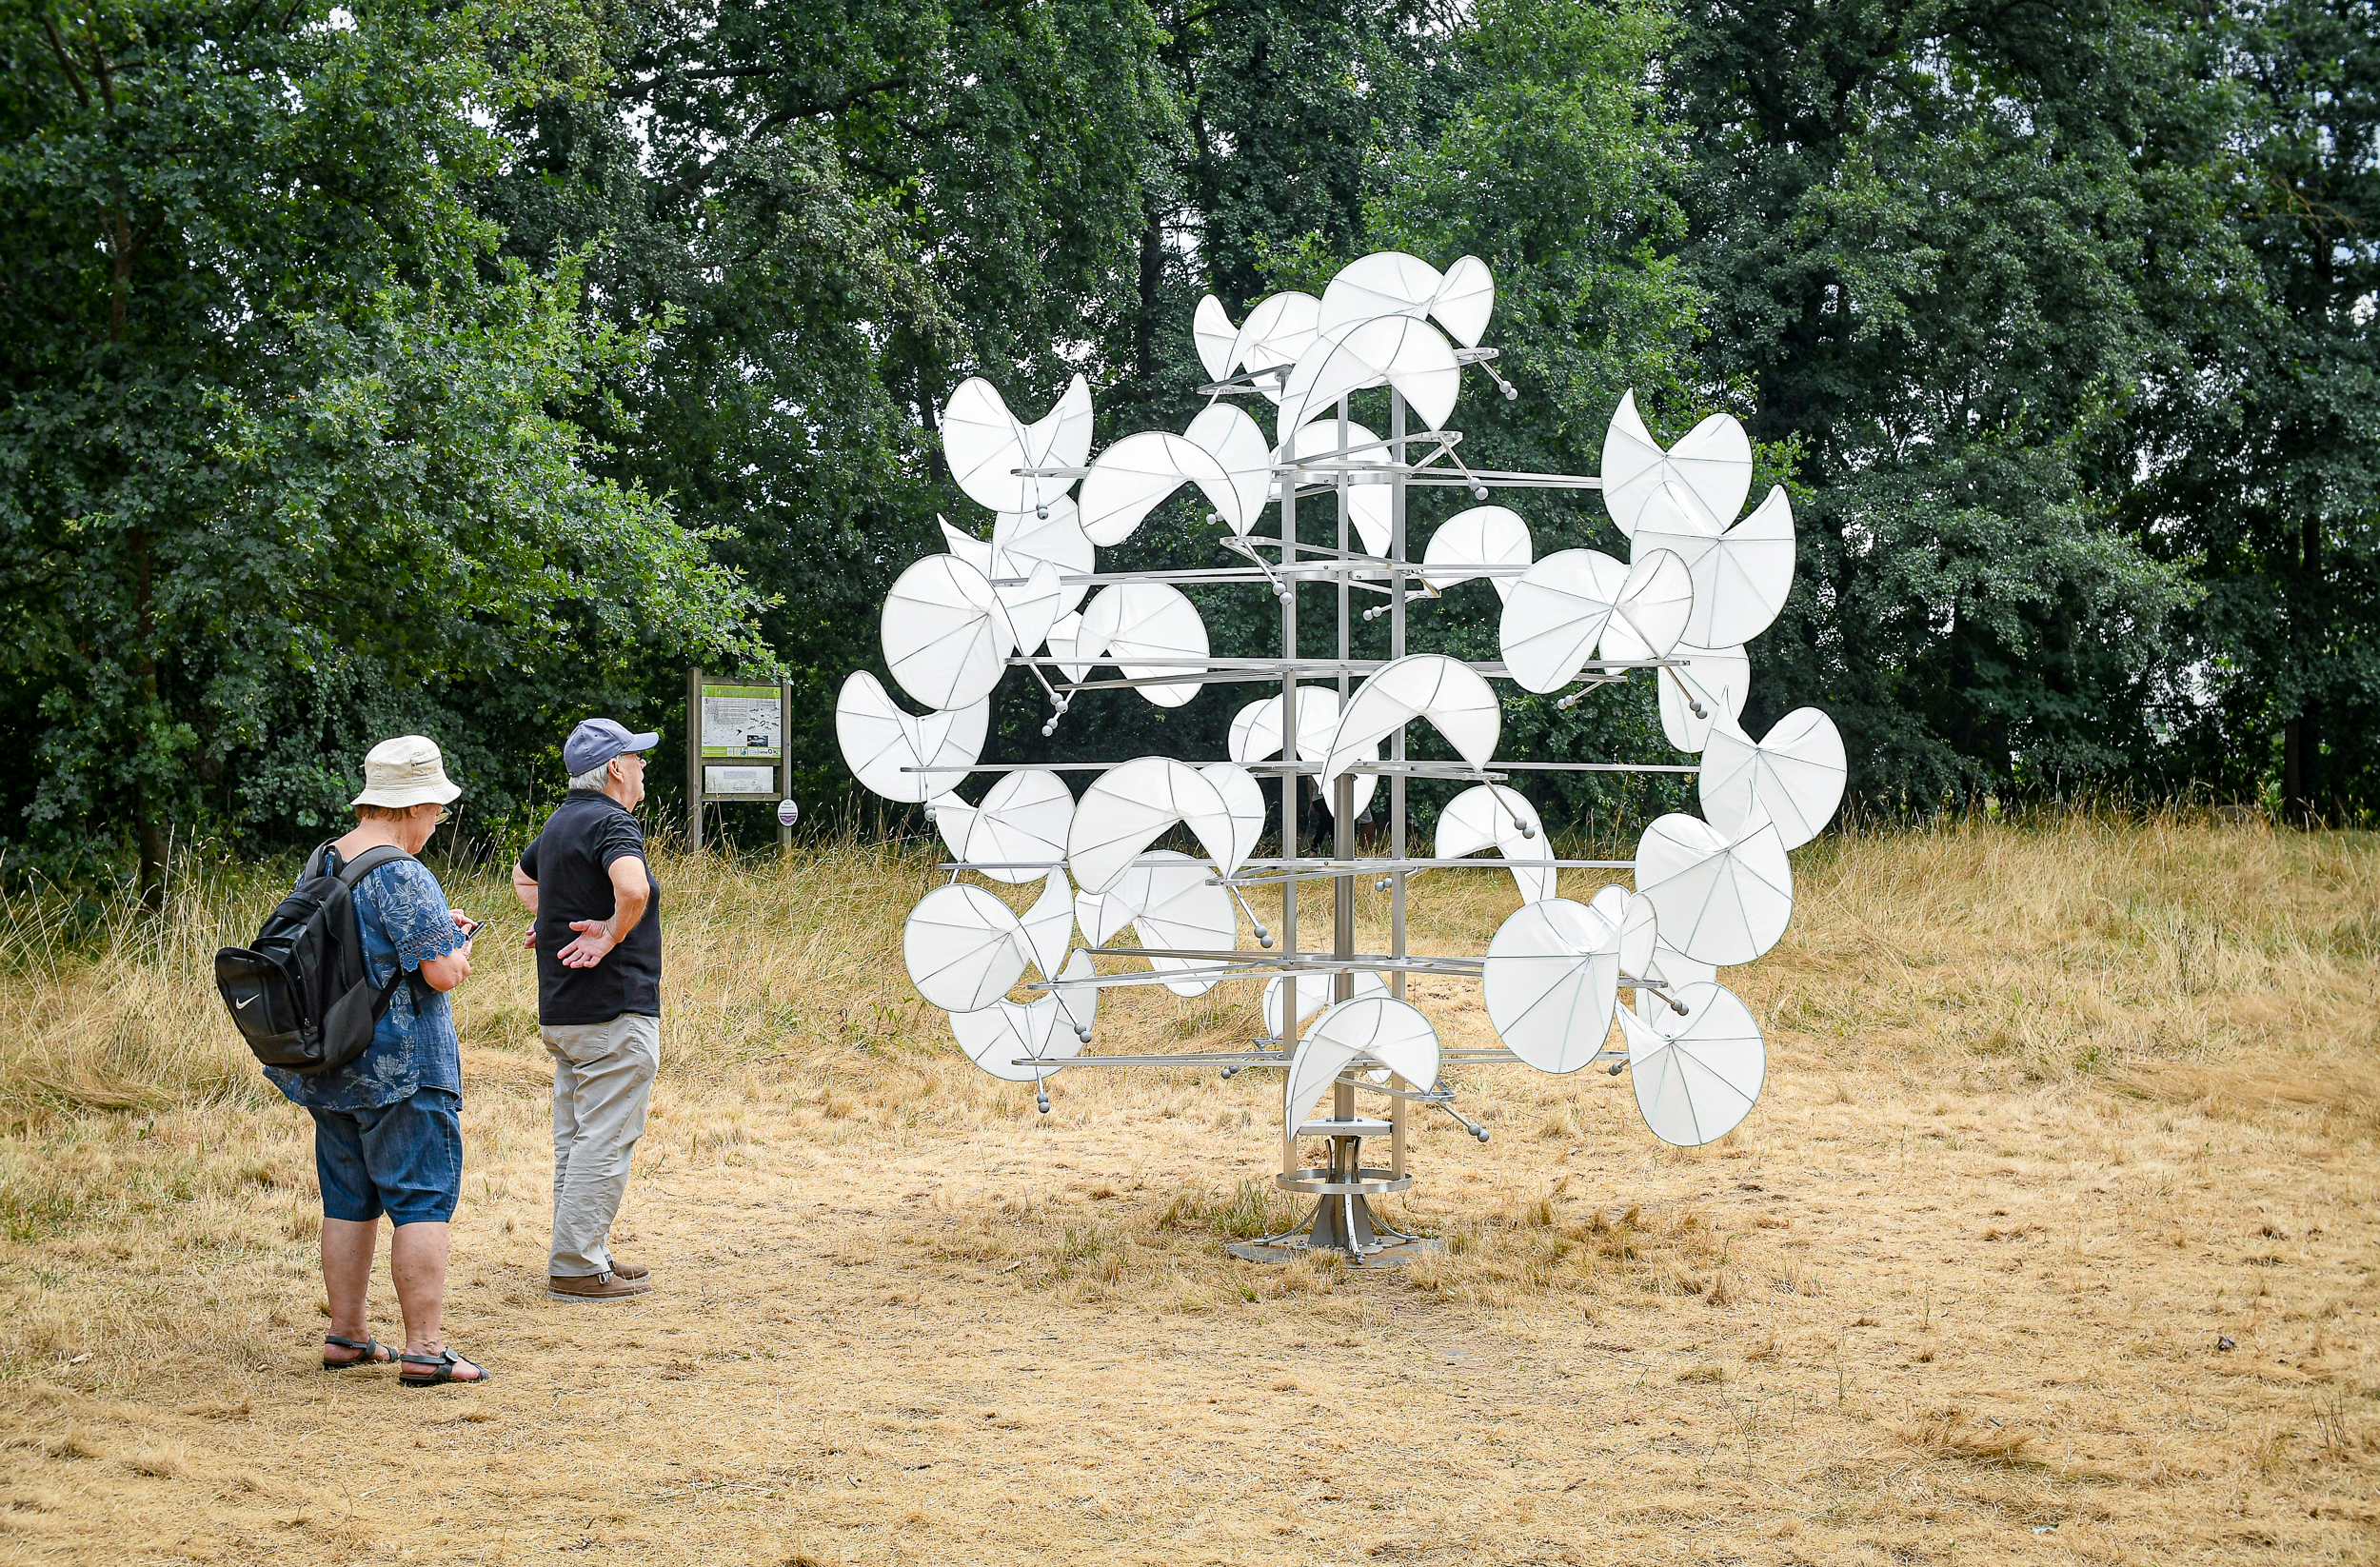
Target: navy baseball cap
[596, 740]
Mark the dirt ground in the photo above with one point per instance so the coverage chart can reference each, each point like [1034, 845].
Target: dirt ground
[2052, 1238]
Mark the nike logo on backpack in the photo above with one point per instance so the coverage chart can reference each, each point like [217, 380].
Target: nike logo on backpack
[237, 1007]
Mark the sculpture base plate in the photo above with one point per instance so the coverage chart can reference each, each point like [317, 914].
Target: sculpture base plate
[1388, 1254]
[1341, 1225]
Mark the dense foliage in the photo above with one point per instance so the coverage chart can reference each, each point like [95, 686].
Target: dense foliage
[282, 459]
[457, 365]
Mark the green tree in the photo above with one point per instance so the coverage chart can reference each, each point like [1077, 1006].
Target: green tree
[1956, 251]
[279, 462]
[2264, 482]
[1556, 165]
[842, 211]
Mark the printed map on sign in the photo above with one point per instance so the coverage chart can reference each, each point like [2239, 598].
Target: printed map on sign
[741, 721]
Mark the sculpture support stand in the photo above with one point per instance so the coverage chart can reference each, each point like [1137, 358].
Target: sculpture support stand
[1341, 1218]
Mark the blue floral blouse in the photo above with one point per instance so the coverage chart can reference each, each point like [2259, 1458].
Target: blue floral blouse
[403, 912]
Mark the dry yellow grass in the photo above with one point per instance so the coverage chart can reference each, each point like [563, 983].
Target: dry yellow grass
[2049, 1112]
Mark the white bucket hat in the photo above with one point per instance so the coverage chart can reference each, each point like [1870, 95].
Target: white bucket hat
[406, 771]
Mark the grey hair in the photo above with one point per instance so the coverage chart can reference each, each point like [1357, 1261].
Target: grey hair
[594, 777]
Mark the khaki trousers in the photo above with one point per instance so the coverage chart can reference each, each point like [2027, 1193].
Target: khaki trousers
[603, 1076]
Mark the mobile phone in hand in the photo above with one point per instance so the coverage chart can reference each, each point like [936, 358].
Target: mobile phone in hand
[469, 927]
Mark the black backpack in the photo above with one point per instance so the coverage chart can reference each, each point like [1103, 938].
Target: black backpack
[301, 995]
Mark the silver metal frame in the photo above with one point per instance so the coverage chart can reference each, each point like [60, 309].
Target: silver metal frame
[1341, 1220]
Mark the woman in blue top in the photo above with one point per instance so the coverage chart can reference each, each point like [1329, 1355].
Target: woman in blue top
[387, 1125]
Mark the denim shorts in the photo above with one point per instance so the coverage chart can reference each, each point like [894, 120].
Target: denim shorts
[404, 1160]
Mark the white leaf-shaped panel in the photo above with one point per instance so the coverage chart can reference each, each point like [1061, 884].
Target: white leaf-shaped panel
[1005, 1033]
[1713, 465]
[1255, 734]
[1373, 1029]
[1178, 909]
[945, 635]
[1411, 356]
[1480, 536]
[955, 819]
[985, 445]
[1794, 775]
[1652, 609]
[1747, 578]
[1451, 694]
[1385, 282]
[1741, 578]
[1078, 1004]
[1131, 806]
[1075, 654]
[1556, 615]
[1061, 439]
[1021, 541]
[1243, 804]
[1371, 501]
[879, 740]
[1552, 979]
[1136, 473]
[1672, 517]
[1278, 330]
[1032, 607]
[1639, 934]
[1101, 915]
[1132, 621]
[1698, 1076]
[963, 947]
[1490, 816]
[966, 546]
[1213, 334]
[1255, 728]
[1723, 898]
[1049, 926]
[1465, 298]
[1714, 678]
[1224, 432]
[1018, 833]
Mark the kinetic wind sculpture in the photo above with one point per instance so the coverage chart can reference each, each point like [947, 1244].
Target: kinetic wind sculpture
[1710, 891]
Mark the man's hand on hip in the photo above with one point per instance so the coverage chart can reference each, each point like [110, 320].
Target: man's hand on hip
[595, 942]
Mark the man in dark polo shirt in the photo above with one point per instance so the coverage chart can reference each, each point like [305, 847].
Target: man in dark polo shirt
[598, 936]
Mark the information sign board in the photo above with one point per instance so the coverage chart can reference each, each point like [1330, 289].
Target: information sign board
[757, 782]
[743, 721]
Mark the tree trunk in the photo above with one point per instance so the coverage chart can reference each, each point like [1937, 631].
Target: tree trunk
[1152, 280]
[152, 835]
[2301, 742]
[2301, 768]
[147, 830]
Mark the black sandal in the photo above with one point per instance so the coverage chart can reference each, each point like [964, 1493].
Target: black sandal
[445, 1363]
[371, 1351]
